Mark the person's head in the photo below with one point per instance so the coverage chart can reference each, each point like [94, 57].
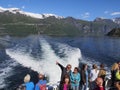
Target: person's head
[76, 70]
[68, 67]
[66, 79]
[27, 78]
[41, 76]
[94, 66]
[99, 81]
[115, 66]
[102, 66]
[84, 67]
[118, 64]
[117, 85]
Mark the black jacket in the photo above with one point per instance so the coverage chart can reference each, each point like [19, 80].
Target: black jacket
[64, 72]
[83, 77]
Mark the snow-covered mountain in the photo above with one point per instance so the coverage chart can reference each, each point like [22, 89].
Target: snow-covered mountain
[101, 19]
[117, 20]
[114, 20]
[34, 15]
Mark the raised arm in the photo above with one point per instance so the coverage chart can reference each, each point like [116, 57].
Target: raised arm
[60, 65]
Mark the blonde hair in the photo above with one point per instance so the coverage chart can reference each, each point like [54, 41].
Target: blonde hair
[114, 67]
[102, 72]
[27, 78]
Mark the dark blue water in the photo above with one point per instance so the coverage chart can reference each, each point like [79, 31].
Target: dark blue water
[93, 49]
[105, 50]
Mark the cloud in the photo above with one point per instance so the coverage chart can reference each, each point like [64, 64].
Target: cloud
[85, 15]
[106, 12]
[115, 13]
[9, 5]
[23, 7]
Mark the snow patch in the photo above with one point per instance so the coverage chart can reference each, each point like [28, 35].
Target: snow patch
[34, 15]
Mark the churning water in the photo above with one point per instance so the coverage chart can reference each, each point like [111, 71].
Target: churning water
[39, 54]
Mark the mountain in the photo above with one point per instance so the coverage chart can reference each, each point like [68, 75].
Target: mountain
[114, 32]
[34, 15]
[117, 20]
[103, 20]
[15, 22]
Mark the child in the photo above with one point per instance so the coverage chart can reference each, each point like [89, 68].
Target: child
[66, 85]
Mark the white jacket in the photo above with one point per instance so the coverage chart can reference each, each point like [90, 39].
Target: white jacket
[93, 74]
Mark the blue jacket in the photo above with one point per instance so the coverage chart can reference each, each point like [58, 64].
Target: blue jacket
[40, 82]
[29, 86]
[75, 79]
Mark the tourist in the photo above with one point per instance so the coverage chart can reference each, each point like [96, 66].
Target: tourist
[117, 75]
[118, 64]
[102, 73]
[75, 79]
[66, 84]
[84, 77]
[65, 70]
[116, 87]
[28, 85]
[99, 84]
[41, 85]
[114, 69]
[93, 75]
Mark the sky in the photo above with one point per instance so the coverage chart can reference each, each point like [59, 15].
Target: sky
[80, 9]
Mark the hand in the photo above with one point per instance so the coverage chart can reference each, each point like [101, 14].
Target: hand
[75, 81]
[57, 62]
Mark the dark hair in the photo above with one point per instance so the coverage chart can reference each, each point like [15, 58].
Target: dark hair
[66, 76]
[102, 65]
[77, 68]
[83, 67]
[69, 65]
[118, 62]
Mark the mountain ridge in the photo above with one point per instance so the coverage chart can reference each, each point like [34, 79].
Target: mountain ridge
[17, 24]
[34, 15]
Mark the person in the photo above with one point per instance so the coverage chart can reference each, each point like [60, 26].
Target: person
[102, 73]
[75, 79]
[117, 86]
[41, 85]
[28, 85]
[66, 84]
[117, 75]
[65, 70]
[99, 84]
[93, 75]
[118, 64]
[114, 69]
[84, 77]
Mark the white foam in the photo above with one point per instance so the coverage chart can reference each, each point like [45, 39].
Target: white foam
[72, 55]
[48, 62]
[6, 72]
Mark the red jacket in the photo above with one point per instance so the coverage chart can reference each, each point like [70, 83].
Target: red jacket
[99, 88]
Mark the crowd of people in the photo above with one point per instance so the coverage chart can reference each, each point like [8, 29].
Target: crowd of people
[79, 79]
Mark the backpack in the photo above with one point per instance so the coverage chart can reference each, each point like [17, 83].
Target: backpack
[42, 87]
[118, 75]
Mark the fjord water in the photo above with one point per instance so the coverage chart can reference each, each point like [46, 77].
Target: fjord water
[34, 54]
